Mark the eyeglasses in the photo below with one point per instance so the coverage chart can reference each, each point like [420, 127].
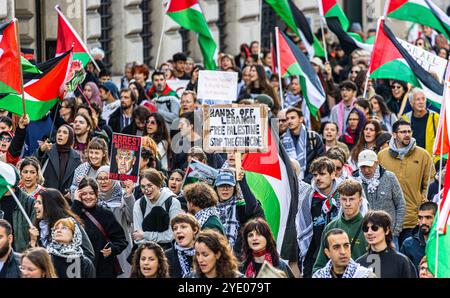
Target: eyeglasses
[373, 228]
[102, 180]
[145, 187]
[153, 122]
[396, 87]
[5, 139]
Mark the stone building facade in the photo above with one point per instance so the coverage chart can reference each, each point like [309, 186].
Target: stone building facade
[130, 30]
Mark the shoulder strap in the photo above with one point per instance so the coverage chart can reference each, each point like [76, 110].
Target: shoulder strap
[168, 203]
[143, 205]
[97, 224]
[355, 237]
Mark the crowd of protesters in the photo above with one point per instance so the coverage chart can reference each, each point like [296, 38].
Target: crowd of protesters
[368, 183]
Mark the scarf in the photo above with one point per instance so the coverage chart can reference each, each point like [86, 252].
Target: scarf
[372, 183]
[64, 151]
[227, 211]
[71, 250]
[353, 270]
[250, 272]
[113, 197]
[330, 201]
[341, 114]
[182, 252]
[296, 151]
[35, 193]
[350, 136]
[43, 235]
[400, 153]
[203, 215]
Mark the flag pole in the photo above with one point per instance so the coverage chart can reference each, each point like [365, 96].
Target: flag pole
[20, 66]
[324, 41]
[260, 28]
[277, 41]
[19, 205]
[163, 28]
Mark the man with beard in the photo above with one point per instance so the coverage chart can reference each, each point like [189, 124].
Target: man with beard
[413, 167]
[166, 99]
[123, 116]
[9, 260]
[318, 206]
[414, 247]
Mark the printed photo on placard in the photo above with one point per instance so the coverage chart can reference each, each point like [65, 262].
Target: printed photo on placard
[125, 157]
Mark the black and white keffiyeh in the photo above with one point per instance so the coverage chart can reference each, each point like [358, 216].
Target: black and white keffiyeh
[227, 210]
[353, 270]
[183, 253]
[71, 250]
[203, 215]
[372, 183]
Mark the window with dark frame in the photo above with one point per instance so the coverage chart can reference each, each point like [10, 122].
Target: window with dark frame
[106, 31]
[146, 33]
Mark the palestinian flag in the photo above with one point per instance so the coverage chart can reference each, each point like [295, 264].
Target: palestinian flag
[338, 23]
[297, 22]
[390, 60]
[9, 176]
[9, 59]
[274, 183]
[68, 37]
[29, 67]
[442, 140]
[188, 14]
[197, 171]
[331, 9]
[294, 63]
[424, 12]
[42, 90]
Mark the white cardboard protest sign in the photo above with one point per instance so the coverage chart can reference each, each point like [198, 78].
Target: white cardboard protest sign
[217, 87]
[429, 61]
[235, 128]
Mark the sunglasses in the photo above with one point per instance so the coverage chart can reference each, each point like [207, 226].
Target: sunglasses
[373, 228]
[396, 87]
[5, 139]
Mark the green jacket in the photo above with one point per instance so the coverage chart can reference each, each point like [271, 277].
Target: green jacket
[20, 224]
[351, 227]
[214, 222]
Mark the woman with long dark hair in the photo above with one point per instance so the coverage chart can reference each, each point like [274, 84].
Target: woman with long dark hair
[367, 140]
[149, 261]
[213, 257]
[59, 160]
[259, 246]
[157, 130]
[259, 84]
[398, 92]
[51, 206]
[355, 123]
[382, 112]
[377, 228]
[83, 128]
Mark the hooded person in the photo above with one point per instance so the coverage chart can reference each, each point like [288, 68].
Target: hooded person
[121, 202]
[154, 210]
[59, 160]
[66, 252]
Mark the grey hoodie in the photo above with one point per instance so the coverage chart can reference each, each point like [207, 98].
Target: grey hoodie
[175, 209]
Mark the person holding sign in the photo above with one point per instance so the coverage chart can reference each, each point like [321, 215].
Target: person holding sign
[235, 212]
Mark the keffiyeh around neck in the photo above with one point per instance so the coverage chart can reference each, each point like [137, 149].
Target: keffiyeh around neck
[203, 215]
[71, 250]
[372, 183]
[183, 253]
[227, 210]
[353, 270]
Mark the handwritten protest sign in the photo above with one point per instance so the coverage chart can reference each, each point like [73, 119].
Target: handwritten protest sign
[429, 61]
[235, 128]
[217, 87]
[125, 157]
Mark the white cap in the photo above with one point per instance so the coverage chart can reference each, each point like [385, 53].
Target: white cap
[367, 158]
